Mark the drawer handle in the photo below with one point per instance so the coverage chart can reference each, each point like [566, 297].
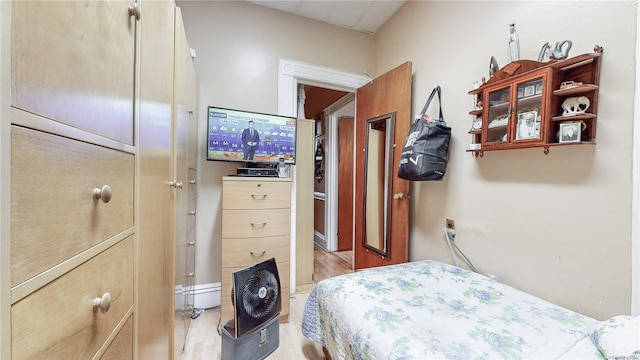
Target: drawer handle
[103, 194]
[192, 212]
[192, 182]
[257, 253]
[259, 224]
[191, 274]
[104, 303]
[191, 243]
[259, 196]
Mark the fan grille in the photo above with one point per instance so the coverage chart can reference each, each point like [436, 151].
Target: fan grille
[260, 293]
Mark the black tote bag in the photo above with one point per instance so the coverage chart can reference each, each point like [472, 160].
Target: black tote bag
[426, 151]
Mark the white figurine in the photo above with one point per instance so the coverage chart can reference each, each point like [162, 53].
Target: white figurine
[282, 169]
[513, 44]
[575, 105]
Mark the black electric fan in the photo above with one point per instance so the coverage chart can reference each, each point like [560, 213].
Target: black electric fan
[256, 296]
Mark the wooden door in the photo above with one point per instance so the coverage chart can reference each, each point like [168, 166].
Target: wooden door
[345, 183]
[180, 136]
[155, 290]
[77, 62]
[388, 93]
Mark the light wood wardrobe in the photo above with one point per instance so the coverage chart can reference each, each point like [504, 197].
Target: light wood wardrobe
[90, 216]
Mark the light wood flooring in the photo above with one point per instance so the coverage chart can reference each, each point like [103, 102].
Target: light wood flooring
[204, 341]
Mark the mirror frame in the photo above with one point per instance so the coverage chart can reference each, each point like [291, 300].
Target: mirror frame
[389, 120]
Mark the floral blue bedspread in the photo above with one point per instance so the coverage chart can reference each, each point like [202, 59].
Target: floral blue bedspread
[431, 310]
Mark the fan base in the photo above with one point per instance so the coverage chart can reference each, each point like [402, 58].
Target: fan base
[254, 345]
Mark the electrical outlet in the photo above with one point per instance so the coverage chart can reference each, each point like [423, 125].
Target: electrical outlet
[451, 224]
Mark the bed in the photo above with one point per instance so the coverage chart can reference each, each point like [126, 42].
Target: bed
[432, 310]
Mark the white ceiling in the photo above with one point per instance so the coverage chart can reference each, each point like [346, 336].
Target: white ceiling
[360, 15]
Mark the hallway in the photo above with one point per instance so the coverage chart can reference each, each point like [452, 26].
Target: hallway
[329, 264]
[326, 265]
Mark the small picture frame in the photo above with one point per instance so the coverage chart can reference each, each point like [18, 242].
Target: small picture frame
[527, 126]
[538, 88]
[529, 90]
[570, 131]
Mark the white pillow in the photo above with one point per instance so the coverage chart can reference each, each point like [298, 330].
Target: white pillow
[618, 337]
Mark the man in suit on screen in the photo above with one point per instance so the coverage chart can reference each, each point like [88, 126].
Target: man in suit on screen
[250, 138]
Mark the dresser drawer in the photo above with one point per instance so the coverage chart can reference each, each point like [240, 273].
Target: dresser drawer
[254, 194]
[54, 214]
[255, 223]
[59, 320]
[121, 348]
[249, 251]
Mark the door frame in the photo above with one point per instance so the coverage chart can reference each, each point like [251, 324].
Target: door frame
[635, 202]
[346, 106]
[291, 73]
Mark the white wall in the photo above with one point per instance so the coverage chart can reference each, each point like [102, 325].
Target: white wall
[557, 225]
[238, 47]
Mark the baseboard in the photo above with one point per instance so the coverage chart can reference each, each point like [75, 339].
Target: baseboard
[178, 295]
[320, 240]
[207, 296]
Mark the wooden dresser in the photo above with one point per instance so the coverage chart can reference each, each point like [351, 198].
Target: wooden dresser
[98, 108]
[73, 166]
[69, 247]
[256, 226]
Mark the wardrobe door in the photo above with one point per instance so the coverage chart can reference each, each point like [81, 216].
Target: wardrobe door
[76, 64]
[155, 240]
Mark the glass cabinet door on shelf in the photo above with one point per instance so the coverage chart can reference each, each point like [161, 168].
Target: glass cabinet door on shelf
[529, 110]
[498, 114]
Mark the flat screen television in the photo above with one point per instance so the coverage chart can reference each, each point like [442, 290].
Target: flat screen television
[250, 137]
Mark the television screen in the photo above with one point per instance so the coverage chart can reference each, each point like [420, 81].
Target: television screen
[244, 136]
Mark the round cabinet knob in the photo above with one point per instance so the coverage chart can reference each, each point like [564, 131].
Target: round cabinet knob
[398, 196]
[191, 243]
[103, 303]
[192, 212]
[103, 194]
[134, 11]
[175, 184]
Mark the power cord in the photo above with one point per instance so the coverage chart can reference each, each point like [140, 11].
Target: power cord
[450, 234]
[195, 313]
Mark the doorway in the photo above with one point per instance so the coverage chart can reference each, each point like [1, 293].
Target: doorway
[334, 115]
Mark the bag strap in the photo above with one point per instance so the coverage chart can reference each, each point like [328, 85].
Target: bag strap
[435, 90]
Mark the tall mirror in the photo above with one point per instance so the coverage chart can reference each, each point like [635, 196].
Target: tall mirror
[378, 169]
